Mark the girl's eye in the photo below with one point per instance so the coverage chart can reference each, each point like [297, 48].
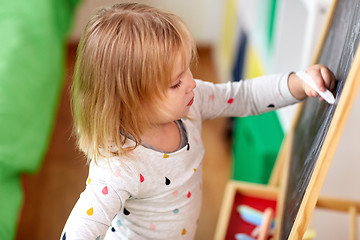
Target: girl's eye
[176, 85]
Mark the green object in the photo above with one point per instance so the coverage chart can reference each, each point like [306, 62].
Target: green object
[265, 22]
[32, 52]
[265, 30]
[11, 196]
[257, 140]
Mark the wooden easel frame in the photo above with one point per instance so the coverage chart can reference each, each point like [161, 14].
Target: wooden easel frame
[327, 152]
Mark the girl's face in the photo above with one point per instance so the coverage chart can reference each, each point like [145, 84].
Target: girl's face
[180, 94]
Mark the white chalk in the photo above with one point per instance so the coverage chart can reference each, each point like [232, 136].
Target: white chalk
[327, 95]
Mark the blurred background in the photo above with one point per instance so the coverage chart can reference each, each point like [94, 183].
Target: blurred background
[41, 171]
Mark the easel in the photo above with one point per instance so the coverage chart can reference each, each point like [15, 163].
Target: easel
[311, 198]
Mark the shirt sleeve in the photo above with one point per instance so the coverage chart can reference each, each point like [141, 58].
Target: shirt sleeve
[243, 98]
[103, 198]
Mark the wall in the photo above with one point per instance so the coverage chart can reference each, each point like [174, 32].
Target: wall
[202, 17]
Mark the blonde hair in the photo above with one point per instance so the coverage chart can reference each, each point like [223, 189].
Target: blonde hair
[125, 59]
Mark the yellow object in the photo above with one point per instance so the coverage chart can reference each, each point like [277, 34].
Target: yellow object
[309, 234]
[254, 67]
[228, 40]
[90, 211]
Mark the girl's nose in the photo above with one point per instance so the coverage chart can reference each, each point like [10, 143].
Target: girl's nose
[192, 83]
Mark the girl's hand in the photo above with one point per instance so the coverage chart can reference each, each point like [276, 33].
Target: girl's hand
[322, 76]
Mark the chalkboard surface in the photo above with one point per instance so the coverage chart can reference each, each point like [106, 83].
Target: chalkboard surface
[337, 52]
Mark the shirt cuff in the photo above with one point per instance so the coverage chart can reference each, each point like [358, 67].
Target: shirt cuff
[285, 91]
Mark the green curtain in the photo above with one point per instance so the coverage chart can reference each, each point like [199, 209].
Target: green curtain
[32, 52]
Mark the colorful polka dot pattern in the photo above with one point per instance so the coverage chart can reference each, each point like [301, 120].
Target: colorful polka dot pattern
[142, 179]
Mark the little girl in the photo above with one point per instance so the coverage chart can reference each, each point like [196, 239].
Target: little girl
[138, 112]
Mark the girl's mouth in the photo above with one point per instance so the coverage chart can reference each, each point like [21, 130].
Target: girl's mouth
[191, 102]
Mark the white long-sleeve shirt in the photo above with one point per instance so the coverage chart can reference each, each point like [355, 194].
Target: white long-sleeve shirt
[157, 195]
